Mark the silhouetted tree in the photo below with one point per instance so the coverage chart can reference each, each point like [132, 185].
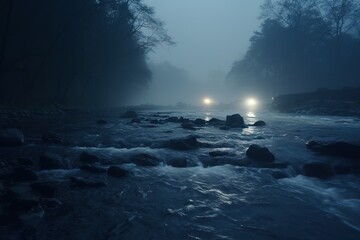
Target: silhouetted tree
[296, 50]
[75, 52]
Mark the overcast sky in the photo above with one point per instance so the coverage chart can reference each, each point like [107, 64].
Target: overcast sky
[209, 34]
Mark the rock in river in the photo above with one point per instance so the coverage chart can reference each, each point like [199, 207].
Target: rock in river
[52, 161]
[119, 172]
[51, 137]
[339, 149]
[259, 124]
[318, 170]
[11, 137]
[235, 120]
[86, 157]
[261, 154]
[187, 143]
[145, 160]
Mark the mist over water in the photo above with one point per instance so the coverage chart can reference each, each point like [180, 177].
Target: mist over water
[179, 119]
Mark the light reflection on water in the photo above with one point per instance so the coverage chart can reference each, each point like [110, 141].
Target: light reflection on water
[251, 114]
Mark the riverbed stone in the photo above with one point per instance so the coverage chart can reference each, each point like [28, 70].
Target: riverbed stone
[235, 120]
[11, 137]
[318, 170]
[118, 172]
[261, 154]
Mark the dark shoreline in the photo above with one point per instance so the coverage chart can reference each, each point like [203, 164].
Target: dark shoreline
[332, 102]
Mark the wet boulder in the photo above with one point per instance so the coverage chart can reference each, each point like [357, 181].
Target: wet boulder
[338, 149]
[259, 124]
[86, 157]
[199, 122]
[184, 120]
[279, 175]
[318, 170]
[186, 143]
[215, 121]
[178, 163]
[51, 137]
[145, 160]
[130, 114]
[235, 120]
[224, 127]
[11, 137]
[342, 169]
[260, 154]
[50, 161]
[173, 119]
[116, 171]
[218, 153]
[188, 126]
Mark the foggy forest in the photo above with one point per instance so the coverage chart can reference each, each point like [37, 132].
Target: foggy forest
[173, 119]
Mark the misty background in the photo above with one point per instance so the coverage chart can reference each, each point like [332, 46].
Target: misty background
[105, 53]
[209, 36]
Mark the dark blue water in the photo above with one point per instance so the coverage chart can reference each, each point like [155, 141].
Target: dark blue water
[221, 202]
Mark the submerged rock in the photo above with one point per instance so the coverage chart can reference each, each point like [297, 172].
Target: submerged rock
[261, 154]
[11, 137]
[188, 126]
[199, 122]
[318, 170]
[50, 161]
[119, 172]
[187, 143]
[130, 114]
[173, 119]
[215, 121]
[224, 128]
[235, 120]
[339, 149]
[259, 124]
[218, 153]
[51, 137]
[178, 163]
[279, 175]
[145, 160]
[86, 157]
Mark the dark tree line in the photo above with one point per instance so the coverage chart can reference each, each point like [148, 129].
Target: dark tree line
[302, 45]
[75, 52]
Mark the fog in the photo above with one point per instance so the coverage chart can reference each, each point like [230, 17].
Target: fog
[109, 53]
[209, 36]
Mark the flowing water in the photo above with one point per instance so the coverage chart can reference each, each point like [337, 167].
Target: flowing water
[220, 202]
